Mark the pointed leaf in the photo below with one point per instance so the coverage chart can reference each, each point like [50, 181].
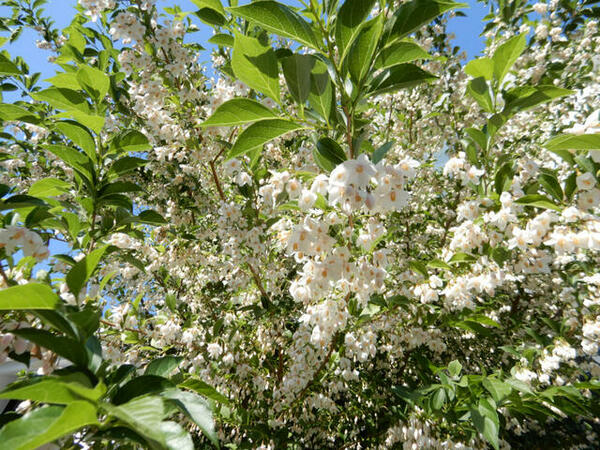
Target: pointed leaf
[507, 54]
[259, 133]
[28, 296]
[238, 111]
[82, 271]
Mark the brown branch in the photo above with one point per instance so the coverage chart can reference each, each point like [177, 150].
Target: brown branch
[216, 179]
[318, 371]
[257, 280]
[114, 325]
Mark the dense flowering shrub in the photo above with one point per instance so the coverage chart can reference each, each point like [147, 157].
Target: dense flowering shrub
[335, 234]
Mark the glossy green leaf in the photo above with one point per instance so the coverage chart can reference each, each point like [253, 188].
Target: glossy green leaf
[68, 348]
[197, 409]
[7, 67]
[507, 54]
[176, 437]
[259, 133]
[256, 65]
[204, 389]
[400, 53]
[81, 272]
[328, 153]
[215, 5]
[360, 55]
[348, 23]
[49, 187]
[401, 76]
[574, 142]
[539, 201]
[224, 40]
[551, 186]
[17, 435]
[150, 217]
[412, 15]
[79, 135]
[91, 121]
[28, 296]
[480, 67]
[50, 390]
[527, 97]
[94, 81]
[10, 112]
[163, 367]
[279, 19]
[322, 97]
[296, 70]
[142, 385]
[126, 164]
[65, 80]
[64, 99]
[238, 111]
[480, 91]
[130, 141]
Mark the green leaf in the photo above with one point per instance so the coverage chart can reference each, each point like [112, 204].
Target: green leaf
[278, 19]
[506, 55]
[400, 53]
[92, 121]
[21, 201]
[481, 67]
[454, 368]
[143, 415]
[49, 187]
[328, 154]
[64, 99]
[142, 385]
[199, 386]
[380, 153]
[64, 80]
[256, 65]
[94, 81]
[486, 426]
[83, 270]
[7, 67]
[349, 22]
[126, 164]
[539, 201]
[527, 97]
[130, 141]
[398, 77]
[321, 97]
[574, 142]
[10, 112]
[74, 159]
[238, 111]
[118, 187]
[296, 70]
[412, 15]
[28, 296]
[497, 388]
[63, 346]
[79, 135]
[176, 437]
[211, 17]
[163, 367]
[45, 425]
[50, 390]
[259, 133]
[479, 90]
[197, 409]
[478, 137]
[551, 186]
[224, 40]
[212, 4]
[360, 55]
[503, 178]
[150, 217]
[439, 398]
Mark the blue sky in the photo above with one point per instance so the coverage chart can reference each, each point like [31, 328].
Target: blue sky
[467, 30]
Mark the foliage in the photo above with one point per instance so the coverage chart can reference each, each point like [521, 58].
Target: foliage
[345, 238]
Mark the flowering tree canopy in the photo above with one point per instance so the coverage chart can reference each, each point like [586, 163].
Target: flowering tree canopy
[334, 234]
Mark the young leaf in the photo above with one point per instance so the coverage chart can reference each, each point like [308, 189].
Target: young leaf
[480, 67]
[506, 55]
[479, 90]
[256, 65]
[259, 133]
[82, 271]
[28, 296]
[278, 19]
[238, 111]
